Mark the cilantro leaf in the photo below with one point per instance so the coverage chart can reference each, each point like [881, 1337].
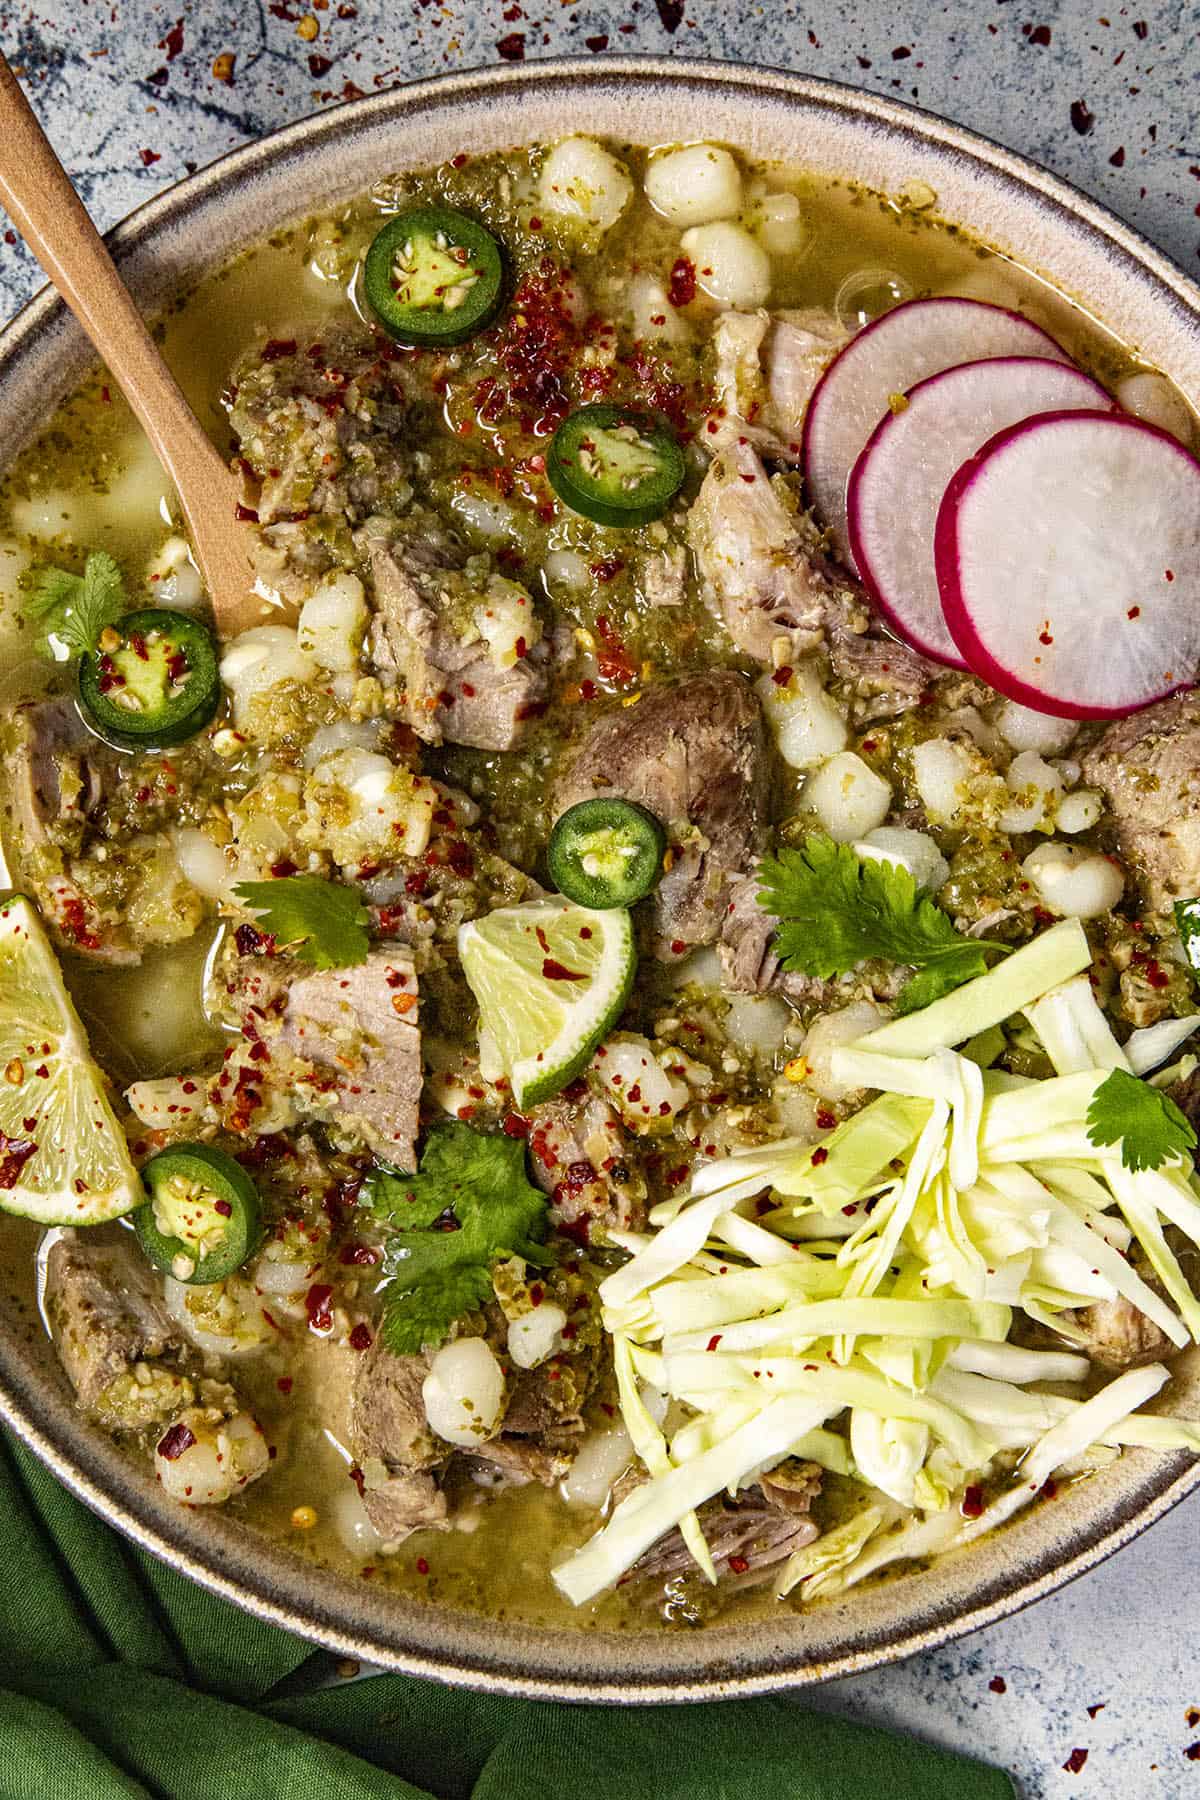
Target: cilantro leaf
[74, 609]
[1187, 924]
[836, 910]
[324, 922]
[1146, 1123]
[470, 1206]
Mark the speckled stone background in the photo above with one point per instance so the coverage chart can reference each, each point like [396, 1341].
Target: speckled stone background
[137, 94]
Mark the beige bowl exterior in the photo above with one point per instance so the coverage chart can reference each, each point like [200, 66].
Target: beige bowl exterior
[1008, 203]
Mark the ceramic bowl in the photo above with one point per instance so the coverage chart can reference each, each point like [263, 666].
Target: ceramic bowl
[1009, 204]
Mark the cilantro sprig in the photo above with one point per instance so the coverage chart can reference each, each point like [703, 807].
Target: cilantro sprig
[470, 1206]
[72, 610]
[1147, 1124]
[836, 910]
[322, 922]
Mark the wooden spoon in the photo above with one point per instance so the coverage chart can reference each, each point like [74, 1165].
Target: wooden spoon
[38, 197]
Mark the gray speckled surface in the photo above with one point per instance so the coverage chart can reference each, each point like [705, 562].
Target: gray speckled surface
[1109, 100]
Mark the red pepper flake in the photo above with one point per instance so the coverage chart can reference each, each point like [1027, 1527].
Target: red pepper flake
[782, 676]
[1117, 159]
[358, 1255]
[596, 44]
[14, 1154]
[148, 157]
[1193, 1752]
[222, 1206]
[612, 658]
[1075, 1761]
[972, 1503]
[174, 1442]
[246, 514]
[172, 42]
[283, 868]
[284, 1384]
[1082, 120]
[275, 348]
[900, 52]
[316, 1305]
[515, 1125]
[670, 13]
[554, 971]
[358, 1478]
[422, 1566]
[681, 284]
[739, 1564]
[820, 1155]
[1100, 1705]
[998, 1685]
[319, 65]
[1040, 35]
[360, 1337]
[251, 941]
[1140, 29]
[512, 47]
[713, 1341]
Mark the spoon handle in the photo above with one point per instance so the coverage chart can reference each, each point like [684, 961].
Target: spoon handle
[38, 196]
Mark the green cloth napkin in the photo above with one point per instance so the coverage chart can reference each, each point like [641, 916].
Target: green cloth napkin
[120, 1679]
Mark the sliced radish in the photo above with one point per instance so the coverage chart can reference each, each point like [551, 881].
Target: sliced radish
[897, 484]
[1068, 562]
[903, 347]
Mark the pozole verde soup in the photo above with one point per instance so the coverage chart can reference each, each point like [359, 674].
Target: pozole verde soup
[641, 1018]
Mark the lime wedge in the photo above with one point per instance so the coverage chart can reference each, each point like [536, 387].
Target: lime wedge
[63, 1156]
[551, 979]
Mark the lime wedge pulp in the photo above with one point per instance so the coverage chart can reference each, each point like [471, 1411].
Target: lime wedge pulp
[551, 979]
[63, 1156]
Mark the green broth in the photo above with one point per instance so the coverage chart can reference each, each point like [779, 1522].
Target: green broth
[90, 479]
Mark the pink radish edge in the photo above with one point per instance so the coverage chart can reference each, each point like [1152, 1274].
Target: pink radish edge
[813, 409]
[862, 558]
[954, 607]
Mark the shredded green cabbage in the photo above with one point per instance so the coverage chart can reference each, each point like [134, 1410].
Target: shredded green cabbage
[861, 1319]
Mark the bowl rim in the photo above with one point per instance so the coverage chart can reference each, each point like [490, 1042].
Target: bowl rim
[264, 1577]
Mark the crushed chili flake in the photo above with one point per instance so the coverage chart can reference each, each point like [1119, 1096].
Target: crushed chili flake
[422, 1566]
[284, 1384]
[681, 284]
[358, 1255]
[512, 47]
[174, 1442]
[739, 1564]
[316, 1305]
[360, 1337]
[555, 971]
[14, 1154]
[713, 1341]
[972, 1503]
[1075, 1761]
[998, 1685]
[358, 1478]
[1081, 118]
[820, 1155]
